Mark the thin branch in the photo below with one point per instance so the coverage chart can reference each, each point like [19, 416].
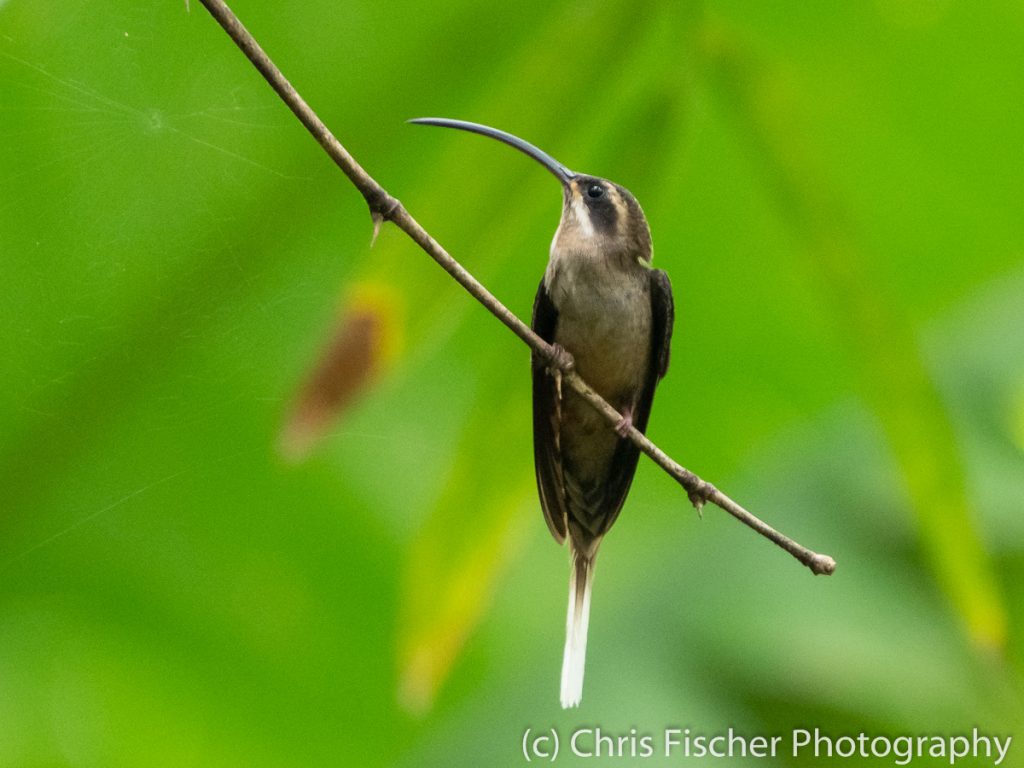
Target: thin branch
[384, 207]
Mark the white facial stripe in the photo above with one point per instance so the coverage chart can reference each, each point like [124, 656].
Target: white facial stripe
[582, 215]
[621, 209]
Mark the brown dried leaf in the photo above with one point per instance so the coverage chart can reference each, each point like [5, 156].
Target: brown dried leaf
[361, 344]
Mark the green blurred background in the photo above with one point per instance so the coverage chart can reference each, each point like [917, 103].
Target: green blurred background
[836, 191]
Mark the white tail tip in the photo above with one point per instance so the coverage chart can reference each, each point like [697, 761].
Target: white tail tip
[580, 581]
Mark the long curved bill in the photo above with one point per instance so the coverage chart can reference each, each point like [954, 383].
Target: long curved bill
[563, 174]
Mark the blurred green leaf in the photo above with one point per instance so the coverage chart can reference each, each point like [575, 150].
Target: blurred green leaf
[890, 369]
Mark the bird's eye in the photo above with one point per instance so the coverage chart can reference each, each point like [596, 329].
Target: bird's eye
[594, 191]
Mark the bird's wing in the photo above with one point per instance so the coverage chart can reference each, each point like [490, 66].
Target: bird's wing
[663, 317]
[623, 465]
[546, 415]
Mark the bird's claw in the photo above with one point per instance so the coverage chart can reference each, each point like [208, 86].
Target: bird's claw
[625, 424]
[558, 359]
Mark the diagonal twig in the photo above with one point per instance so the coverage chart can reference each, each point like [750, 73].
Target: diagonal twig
[384, 207]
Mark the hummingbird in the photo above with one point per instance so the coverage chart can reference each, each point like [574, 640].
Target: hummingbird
[602, 303]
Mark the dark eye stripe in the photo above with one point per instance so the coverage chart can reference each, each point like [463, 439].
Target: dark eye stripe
[603, 213]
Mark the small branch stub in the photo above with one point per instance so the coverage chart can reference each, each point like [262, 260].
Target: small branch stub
[701, 495]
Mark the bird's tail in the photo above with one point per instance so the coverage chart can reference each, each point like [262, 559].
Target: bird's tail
[580, 580]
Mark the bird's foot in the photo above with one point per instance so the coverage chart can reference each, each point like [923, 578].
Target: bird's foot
[559, 359]
[625, 424]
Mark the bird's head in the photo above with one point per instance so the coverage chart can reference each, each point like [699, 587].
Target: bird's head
[599, 216]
